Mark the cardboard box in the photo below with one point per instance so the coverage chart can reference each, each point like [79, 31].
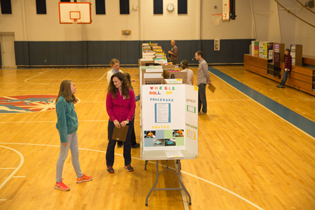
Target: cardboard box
[169, 67]
[173, 81]
[142, 63]
[151, 71]
[153, 81]
[179, 75]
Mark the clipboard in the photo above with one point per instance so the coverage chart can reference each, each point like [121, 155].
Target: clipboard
[211, 88]
[120, 134]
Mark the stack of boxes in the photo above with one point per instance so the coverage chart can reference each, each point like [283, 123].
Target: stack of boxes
[152, 53]
[255, 48]
[263, 50]
[278, 57]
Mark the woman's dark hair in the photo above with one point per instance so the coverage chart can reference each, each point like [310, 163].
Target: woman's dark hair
[127, 75]
[124, 85]
[184, 64]
[289, 51]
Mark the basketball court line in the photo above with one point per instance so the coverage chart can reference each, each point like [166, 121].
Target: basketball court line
[16, 169]
[271, 111]
[36, 75]
[100, 151]
[55, 121]
[26, 80]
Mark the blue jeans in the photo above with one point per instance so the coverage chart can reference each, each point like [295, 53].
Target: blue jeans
[110, 153]
[72, 144]
[202, 98]
[284, 77]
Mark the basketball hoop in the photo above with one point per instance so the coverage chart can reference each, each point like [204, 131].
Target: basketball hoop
[216, 18]
[75, 13]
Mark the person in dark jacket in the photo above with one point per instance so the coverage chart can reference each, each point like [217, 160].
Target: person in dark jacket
[287, 68]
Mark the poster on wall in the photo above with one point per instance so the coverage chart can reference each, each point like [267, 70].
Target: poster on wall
[217, 45]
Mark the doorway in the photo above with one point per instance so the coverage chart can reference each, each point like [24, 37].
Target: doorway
[7, 50]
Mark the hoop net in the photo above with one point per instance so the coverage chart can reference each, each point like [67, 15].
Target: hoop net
[216, 18]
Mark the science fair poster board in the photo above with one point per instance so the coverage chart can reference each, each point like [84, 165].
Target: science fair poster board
[170, 117]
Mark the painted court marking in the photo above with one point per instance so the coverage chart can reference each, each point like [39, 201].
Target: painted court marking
[56, 121]
[266, 108]
[16, 169]
[93, 150]
[26, 80]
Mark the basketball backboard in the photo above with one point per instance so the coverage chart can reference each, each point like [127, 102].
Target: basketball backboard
[75, 12]
[225, 10]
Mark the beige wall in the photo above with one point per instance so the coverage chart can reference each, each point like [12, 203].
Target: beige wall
[13, 23]
[47, 27]
[170, 25]
[142, 22]
[274, 33]
[240, 28]
[273, 23]
[304, 33]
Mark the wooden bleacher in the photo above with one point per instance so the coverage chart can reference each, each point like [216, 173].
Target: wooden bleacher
[300, 77]
[308, 59]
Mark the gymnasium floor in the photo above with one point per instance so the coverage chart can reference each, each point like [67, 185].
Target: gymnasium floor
[249, 156]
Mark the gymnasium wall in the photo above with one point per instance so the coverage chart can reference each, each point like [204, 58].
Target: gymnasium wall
[275, 24]
[304, 33]
[295, 31]
[240, 28]
[41, 40]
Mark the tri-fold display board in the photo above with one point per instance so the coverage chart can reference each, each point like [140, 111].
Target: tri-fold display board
[169, 117]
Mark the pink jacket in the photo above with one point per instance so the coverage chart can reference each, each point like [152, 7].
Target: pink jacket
[119, 108]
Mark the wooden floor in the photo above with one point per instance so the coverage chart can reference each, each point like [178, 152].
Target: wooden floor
[249, 158]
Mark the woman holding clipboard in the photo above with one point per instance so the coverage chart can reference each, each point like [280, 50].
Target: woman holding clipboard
[120, 105]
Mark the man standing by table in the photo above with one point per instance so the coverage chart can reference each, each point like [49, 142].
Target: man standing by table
[202, 80]
[173, 54]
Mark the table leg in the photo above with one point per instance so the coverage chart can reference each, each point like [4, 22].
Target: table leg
[156, 181]
[145, 165]
[180, 181]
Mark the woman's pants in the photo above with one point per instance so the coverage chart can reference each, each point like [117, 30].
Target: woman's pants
[72, 144]
[110, 153]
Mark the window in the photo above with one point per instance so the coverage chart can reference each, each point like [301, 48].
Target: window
[6, 7]
[182, 6]
[100, 7]
[158, 7]
[41, 7]
[124, 7]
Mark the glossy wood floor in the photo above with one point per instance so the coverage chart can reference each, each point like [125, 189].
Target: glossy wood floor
[249, 158]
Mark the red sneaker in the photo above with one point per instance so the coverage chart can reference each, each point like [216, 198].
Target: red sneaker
[84, 178]
[61, 186]
[129, 168]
